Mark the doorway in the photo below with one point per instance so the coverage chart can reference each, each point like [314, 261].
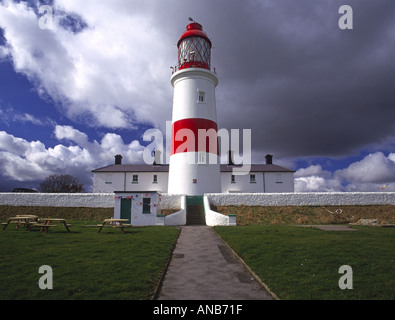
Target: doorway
[126, 209]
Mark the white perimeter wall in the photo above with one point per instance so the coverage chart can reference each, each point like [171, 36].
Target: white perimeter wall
[302, 199]
[173, 201]
[87, 200]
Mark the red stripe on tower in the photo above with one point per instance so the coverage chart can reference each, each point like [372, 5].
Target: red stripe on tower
[194, 135]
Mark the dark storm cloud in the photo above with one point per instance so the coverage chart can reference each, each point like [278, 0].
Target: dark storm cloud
[305, 87]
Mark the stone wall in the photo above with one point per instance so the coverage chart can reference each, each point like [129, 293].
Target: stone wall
[169, 201]
[302, 199]
[68, 200]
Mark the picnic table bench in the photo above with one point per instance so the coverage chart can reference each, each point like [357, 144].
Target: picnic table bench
[112, 223]
[21, 220]
[30, 221]
[46, 223]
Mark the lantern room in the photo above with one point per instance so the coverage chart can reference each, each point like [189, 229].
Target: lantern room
[194, 48]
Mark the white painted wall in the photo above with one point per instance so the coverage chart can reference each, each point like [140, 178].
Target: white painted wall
[138, 218]
[302, 199]
[69, 200]
[242, 183]
[108, 182]
[146, 182]
[179, 218]
[187, 83]
[123, 181]
[278, 182]
[182, 176]
[265, 182]
[173, 201]
[216, 219]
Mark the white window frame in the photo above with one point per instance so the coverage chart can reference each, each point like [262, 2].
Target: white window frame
[201, 97]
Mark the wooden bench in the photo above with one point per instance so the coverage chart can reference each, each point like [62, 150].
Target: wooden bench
[46, 222]
[24, 221]
[111, 223]
[44, 227]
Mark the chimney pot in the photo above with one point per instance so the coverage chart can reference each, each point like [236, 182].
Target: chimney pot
[118, 159]
[269, 159]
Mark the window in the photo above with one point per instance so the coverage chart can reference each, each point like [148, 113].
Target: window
[146, 205]
[232, 179]
[135, 178]
[155, 178]
[201, 97]
[202, 157]
[252, 178]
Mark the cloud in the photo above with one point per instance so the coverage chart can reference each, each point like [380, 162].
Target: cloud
[106, 72]
[24, 161]
[306, 88]
[4, 52]
[372, 171]
[10, 115]
[371, 174]
[315, 179]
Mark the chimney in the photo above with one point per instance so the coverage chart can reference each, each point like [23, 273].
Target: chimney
[230, 158]
[269, 159]
[118, 159]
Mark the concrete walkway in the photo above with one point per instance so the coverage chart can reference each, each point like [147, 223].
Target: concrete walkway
[204, 268]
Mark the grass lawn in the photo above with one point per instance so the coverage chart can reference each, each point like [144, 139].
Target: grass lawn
[296, 263]
[85, 264]
[303, 263]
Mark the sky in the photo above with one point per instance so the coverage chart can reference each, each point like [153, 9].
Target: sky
[83, 81]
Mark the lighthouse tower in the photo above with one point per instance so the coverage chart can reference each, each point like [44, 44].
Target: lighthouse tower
[194, 167]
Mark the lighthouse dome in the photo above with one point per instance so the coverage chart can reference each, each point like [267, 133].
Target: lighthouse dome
[194, 30]
[194, 48]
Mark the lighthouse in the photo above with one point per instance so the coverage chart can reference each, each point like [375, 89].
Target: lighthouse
[194, 167]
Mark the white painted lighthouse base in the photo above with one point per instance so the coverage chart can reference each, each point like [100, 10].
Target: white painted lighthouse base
[188, 176]
[214, 218]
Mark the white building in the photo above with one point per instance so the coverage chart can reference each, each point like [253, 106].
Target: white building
[262, 178]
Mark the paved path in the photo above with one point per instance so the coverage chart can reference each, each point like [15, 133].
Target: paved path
[204, 268]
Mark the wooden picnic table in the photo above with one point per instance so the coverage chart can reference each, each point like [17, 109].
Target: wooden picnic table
[113, 223]
[21, 220]
[30, 221]
[46, 223]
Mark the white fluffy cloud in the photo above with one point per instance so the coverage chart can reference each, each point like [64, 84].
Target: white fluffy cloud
[99, 72]
[375, 172]
[374, 168]
[315, 179]
[23, 160]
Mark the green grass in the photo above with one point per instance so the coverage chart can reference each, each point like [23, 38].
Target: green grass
[296, 263]
[303, 263]
[86, 265]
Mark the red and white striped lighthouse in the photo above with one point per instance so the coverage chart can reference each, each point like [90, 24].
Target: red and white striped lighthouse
[194, 155]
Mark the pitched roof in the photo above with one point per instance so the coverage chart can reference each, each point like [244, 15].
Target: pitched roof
[165, 168]
[134, 168]
[257, 168]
